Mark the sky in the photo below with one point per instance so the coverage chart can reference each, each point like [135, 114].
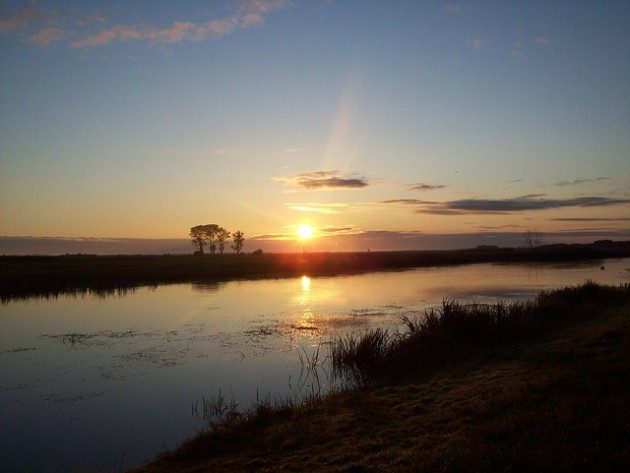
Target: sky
[412, 121]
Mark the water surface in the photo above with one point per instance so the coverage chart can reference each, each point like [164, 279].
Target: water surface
[92, 383]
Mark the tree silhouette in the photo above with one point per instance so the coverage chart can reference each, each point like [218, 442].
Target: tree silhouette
[214, 236]
[221, 235]
[239, 241]
[533, 238]
[210, 230]
[198, 237]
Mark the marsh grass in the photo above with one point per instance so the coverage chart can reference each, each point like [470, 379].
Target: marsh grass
[442, 336]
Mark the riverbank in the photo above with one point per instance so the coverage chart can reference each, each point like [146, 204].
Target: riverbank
[28, 276]
[544, 389]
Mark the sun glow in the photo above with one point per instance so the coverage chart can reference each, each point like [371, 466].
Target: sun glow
[305, 231]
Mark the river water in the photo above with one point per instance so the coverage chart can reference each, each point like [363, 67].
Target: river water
[102, 383]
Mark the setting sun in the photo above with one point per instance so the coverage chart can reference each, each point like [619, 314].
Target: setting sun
[305, 231]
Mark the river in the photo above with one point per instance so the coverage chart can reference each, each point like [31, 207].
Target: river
[96, 383]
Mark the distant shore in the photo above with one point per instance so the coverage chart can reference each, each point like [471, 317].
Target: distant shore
[32, 276]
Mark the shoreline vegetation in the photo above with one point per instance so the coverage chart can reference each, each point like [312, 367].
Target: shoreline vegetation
[539, 385]
[49, 276]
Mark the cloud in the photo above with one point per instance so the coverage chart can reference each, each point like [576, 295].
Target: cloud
[543, 41]
[319, 208]
[497, 227]
[249, 13]
[47, 36]
[348, 230]
[576, 182]
[591, 219]
[425, 187]
[319, 180]
[273, 236]
[452, 8]
[91, 19]
[479, 43]
[18, 18]
[531, 202]
[292, 150]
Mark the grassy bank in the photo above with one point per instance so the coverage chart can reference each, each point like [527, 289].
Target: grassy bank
[537, 386]
[25, 276]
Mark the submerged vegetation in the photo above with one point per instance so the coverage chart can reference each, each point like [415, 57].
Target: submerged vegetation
[528, 386]
[26, 276]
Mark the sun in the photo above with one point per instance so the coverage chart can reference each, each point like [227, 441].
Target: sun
[305, 231]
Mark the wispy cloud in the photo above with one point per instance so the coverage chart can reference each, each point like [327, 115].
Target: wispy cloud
[543, 41]
[320, 180]
[18, 18]
[499, 206]
[578, 181]
[91, 19]
[479, 43]
[47, 36]
[249, 13]
[273, 236]
[453, 8]
[346, 230]
[319, 208]
[484, 228]
[591, 219]
[425, 187]
[292, 150]
[407, 201]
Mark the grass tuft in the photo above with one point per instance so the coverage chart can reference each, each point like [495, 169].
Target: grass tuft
[444, 335]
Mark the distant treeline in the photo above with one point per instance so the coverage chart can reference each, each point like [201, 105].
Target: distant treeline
[26, 276]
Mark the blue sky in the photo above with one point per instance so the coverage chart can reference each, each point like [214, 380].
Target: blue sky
[141, 119]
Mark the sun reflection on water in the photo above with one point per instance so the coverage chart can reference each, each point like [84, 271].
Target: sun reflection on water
[306, 284]
[306, 319]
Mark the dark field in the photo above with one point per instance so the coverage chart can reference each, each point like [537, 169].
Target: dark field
[536, 386]
[26, 276]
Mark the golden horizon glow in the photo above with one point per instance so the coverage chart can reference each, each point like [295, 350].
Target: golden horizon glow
[305, 231]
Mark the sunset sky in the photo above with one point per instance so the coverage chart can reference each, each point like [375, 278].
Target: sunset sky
[141, 119]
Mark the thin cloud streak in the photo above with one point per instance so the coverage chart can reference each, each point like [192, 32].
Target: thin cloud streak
[453, 8]
[47, 36]
[543, 41]
[321, 180]
[250, 13]
[578, 181]
[479, 43]
[349, 230]
[19, 18]
[591, 219]
[425, 187]
[327, 209]
[499, 206]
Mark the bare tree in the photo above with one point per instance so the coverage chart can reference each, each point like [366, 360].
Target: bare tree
[198, 237]
[222, 235]
[239, 241]
[533, 238]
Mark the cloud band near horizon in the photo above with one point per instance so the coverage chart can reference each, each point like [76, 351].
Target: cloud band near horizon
[497, 206]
